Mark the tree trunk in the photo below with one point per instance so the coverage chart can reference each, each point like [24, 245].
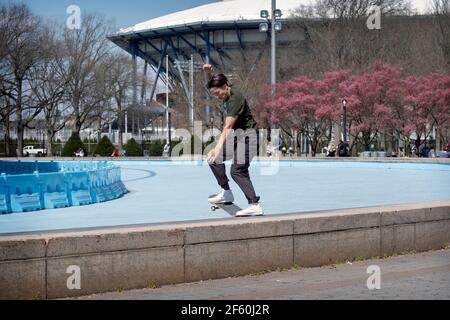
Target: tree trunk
[50, 135]
[20, 126]
[438, 139]
[366, 140]
[393, 142]
[314, 143]
[382, 141]
[299, 143]
[7, 138]
[337, 133]
[78, 124]
[119, 130]
[330, 133]
[405, 147]
[352, 141]
[99, 133]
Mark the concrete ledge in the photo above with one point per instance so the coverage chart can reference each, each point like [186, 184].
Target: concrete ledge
[74, 245]
[241, 231]
[336, 221]
[431, 235]
[397, 239]
[414, 214]
[234, 258]
[112, 271]
[23, 279]
[122, 258]
[22, 249]
[320, 249]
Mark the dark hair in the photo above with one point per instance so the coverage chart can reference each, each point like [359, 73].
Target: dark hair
[217, 81]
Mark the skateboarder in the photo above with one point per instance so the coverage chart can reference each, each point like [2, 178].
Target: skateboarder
[242, 148]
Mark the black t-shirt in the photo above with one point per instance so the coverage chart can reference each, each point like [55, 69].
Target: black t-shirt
[237, 107]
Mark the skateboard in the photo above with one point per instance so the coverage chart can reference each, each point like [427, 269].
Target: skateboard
[228, 207]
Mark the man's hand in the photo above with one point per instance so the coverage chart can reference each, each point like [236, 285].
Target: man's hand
[208, 70]
[212, 155]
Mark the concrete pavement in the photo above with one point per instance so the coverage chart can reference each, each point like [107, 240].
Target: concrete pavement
[413, 276]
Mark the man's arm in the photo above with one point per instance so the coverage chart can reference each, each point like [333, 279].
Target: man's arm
[229, 123]
[208, 71]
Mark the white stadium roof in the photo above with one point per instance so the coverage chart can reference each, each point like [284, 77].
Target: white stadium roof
[231, 10]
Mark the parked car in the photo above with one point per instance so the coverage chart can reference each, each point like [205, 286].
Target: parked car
[32, 151]
[80, 153]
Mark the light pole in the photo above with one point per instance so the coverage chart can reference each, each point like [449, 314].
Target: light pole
[275, 26]
[190, 67]
[167, 106]
[344, 122]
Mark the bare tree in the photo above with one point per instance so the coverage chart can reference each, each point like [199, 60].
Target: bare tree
[23, 33]
[49, 84]
[336, 33]
[5, 101]
[442, 12]
[85, 49]
[120, 77]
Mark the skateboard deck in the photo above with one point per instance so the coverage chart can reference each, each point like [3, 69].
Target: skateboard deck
[228, 207]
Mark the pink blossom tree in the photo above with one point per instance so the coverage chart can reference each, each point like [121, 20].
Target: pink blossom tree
[305, 105]
[435, 100]
[377, 101]
[367, 95]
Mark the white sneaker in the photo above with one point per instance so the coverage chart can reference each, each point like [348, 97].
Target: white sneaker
[252, 210]
[224, 196]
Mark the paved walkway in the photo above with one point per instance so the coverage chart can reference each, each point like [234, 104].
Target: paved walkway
[419, 276]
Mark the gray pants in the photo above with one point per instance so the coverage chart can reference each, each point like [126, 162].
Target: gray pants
[243, 151]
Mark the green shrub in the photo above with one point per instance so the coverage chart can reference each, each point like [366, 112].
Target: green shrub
[72, 145]
[156, 148]
[133, 149]
[196, 142]
[104, 148]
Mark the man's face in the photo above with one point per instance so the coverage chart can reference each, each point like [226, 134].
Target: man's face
[220, 93]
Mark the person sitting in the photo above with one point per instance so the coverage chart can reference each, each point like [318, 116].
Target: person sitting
[424, 150]
[432, 152]
[414, 151]
[343, 149]
[291, 151]
[447, 146]
[115, 153]
[331, 150]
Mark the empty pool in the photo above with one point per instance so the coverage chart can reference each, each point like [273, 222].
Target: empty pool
[35, 185]
[173, 191]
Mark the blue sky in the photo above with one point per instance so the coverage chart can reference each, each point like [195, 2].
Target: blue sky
[125, 12]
